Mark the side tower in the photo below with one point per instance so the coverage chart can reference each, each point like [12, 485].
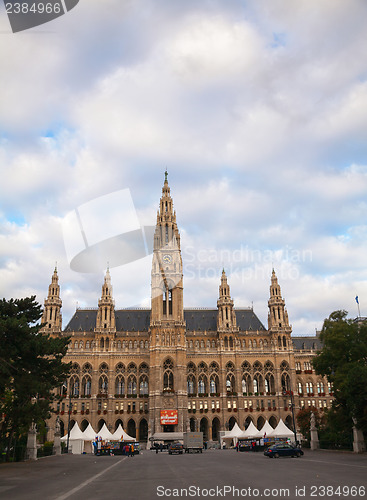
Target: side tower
[168, 391]
[280, 333]
[106, 323]
[52, 310]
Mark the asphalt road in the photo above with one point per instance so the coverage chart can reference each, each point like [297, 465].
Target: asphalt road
[214, 473]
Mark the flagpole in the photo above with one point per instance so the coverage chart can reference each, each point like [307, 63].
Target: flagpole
[359, 312]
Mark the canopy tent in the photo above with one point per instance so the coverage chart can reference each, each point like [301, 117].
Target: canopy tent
[234, 434]
[89, 434]
[76, 441]
[281, 431]
[75, 433]
[265, 430]
[250, 432]
[120, 435]
[104, 433]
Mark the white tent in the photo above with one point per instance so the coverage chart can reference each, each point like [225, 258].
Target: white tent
[250, 432]
[120, 435]
[76, 441]
[265, 430]
[104, 433]
[281, 431]
[75, 433]
[89, 434]
[234, 434]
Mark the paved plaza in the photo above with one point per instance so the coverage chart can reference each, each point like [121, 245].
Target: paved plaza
[214, 473]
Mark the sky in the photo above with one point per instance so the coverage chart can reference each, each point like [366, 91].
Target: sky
[258, 111]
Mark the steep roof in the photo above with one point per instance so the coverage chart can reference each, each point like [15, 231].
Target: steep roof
[307, 343]
[139, 320]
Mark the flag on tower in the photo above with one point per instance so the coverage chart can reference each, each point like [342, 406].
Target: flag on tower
[357, 299]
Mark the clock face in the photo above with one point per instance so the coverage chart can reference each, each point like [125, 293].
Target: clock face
[167, 259]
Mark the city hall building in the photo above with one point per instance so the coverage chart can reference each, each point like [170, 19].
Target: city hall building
[169, 369]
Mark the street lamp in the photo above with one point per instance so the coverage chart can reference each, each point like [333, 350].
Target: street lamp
[67, 443]
[290, 393]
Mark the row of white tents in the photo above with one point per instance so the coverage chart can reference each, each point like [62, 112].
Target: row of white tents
[81, 441]
[281, 431]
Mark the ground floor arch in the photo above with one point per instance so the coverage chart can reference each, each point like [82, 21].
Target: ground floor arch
[119, 422]
[131, 428]
[248, 422]
[231, 423]
[260, 422]
[143, 430]
[273, 421]
[100, 424]
[192, 424]
[204, 428]
[288, 422]
[215, 429]
[84, 424]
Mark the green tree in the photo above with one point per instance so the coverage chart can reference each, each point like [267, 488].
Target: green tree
[304, 420]
[31, 367]
[343, 360]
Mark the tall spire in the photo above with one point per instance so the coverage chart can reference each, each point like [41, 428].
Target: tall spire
[226, 316]
[106, 306]
[52, 310]
[167, 287]
[278, 316]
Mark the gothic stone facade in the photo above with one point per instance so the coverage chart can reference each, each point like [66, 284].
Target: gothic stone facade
[212, 367]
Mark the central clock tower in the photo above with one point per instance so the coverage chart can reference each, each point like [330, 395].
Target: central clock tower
[168, 391]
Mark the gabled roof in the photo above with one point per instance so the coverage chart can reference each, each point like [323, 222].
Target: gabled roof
[84, 320]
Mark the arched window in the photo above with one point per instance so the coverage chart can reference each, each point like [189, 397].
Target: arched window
[87, 386]
[143, 385]
[300, 388]
[74, 385]
[120, 385]
[202, 384]
[191, 384]
[103, 384]
[213, 386]
[131, 385]
[168, 376]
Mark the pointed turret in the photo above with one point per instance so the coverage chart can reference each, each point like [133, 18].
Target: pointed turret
[278, 316]
[226, 316]
[106, 306]
[52, 310]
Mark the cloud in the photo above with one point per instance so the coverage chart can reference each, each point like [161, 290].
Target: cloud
[259, 113]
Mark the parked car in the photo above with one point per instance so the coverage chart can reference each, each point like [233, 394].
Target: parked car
[283, 450]
[175, 448]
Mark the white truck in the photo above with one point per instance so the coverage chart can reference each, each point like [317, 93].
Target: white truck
[193, 441]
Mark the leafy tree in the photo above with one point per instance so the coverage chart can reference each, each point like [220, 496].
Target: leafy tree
[304, 420]
[31, 367]
[343, 360]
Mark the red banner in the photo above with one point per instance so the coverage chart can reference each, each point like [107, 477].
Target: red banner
[169, 417]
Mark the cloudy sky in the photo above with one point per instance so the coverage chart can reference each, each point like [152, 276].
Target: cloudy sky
[258, 109]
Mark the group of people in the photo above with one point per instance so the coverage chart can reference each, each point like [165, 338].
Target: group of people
[128, 450]
[158, 447]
